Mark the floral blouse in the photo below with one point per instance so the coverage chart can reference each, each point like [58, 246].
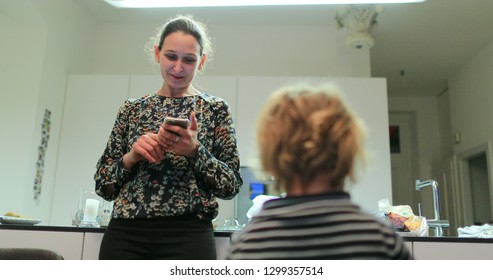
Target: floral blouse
[177, 185]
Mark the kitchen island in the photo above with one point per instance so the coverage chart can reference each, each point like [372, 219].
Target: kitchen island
[74, 243]
[78, 243]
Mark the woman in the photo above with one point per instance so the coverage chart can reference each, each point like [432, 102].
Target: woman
[164, 178]
[309, 141]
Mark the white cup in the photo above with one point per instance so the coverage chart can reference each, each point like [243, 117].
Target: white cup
[89, 204]
[91, 210]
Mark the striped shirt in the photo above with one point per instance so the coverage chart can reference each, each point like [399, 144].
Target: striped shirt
[327, 226]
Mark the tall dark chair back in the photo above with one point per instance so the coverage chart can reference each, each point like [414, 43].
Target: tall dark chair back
[29, 254]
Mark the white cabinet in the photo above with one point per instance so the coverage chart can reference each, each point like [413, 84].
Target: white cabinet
[92, 242]
[68, 244]
[74, 245]
[222, 245]
[367, 97]
[452, 251]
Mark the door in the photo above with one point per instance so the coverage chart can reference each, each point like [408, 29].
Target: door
[475, 167]
[404, 158]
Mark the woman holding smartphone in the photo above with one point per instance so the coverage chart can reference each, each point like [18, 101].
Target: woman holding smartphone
[164, 177]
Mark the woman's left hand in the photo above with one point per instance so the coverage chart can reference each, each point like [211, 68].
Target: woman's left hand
[179, 140]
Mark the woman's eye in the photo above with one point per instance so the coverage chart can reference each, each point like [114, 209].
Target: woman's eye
[189, 60]
[171, 57]
[174, 57]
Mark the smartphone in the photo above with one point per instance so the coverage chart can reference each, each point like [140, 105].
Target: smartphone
[177, 121]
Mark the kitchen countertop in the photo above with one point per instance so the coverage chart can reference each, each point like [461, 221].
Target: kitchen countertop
[217, 233]
[448, 239]
[227, 233]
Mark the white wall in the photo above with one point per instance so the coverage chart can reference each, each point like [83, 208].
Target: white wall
[42, 41]
[471, 100]
[445, 130]
[427, 122]
[21, 54]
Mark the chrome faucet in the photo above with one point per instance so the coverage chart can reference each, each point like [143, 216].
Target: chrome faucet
[435, 222]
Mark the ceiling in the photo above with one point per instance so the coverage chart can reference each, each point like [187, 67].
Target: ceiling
[427, 42]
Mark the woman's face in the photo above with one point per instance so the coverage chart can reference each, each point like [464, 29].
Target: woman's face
[179, 61]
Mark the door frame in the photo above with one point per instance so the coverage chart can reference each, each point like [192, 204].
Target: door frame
[464, 190]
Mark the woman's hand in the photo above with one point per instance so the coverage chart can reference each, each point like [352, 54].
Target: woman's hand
[179, 140]
[146, 147]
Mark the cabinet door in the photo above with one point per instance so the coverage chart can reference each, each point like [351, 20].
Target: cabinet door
[92, 242]
[452, 251]
[68, 244]
[91, 105]
[222, 245]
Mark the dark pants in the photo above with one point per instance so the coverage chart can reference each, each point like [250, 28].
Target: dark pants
[174, 238]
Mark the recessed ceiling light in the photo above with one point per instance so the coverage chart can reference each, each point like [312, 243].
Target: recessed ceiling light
[230, 3]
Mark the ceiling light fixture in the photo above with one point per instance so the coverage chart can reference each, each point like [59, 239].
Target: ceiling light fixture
[218, 3]
[359, 20]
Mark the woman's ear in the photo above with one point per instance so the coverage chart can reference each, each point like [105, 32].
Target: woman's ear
[156, 54]
[202, 61]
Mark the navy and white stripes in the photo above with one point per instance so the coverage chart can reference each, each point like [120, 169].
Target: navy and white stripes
[325, 226]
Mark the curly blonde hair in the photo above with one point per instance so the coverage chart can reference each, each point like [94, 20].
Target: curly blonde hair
[304, 132]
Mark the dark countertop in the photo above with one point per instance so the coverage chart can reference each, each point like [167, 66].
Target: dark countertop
[453, 239]
[217, 233]
[51, 228]
[227, 233]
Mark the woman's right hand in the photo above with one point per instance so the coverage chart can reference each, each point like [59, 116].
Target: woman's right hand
[146, 147]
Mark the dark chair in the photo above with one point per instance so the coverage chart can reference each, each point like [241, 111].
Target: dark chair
[29, 254]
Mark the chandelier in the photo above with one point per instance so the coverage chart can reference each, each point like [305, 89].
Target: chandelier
[359, 21]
